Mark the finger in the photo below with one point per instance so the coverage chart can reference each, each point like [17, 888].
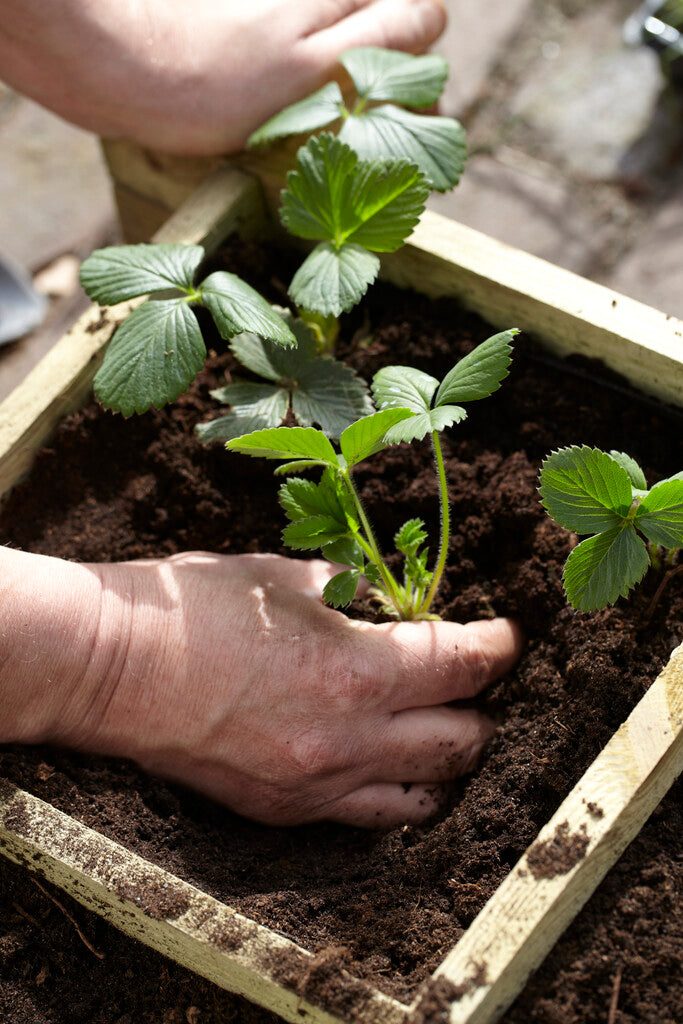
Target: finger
[426, 663]
[431, 744]
[382, 805]
[410, 25]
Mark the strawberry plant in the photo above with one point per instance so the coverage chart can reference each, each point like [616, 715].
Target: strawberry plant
[628, 527]
[329, 514]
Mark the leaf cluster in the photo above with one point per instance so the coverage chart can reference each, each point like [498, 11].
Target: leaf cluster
[158, 350]
[314, 388]
[605, 495]
[353, 209]
[436, 145]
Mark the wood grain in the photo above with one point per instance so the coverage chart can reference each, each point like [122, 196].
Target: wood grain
[199, 932]
[571, 856]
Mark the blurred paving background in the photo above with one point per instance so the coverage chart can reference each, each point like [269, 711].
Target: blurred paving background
[576, 155]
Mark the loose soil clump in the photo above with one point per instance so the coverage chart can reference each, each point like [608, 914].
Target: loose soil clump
[390, 904]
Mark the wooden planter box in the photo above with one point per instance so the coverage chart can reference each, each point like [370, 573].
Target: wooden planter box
[517, 928]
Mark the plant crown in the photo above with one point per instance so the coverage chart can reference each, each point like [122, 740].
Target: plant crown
[329, 514]
[315, 389]
[605, 495]
[158, 350]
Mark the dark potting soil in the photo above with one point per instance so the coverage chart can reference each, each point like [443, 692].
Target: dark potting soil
[391, 904]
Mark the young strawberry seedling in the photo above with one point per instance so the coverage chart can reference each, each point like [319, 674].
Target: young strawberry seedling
[330, 515]
[605, 496]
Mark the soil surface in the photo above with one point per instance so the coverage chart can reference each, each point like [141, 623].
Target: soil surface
[392, 903]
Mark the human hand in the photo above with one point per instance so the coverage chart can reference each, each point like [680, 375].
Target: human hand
[198, 78]
[228, 674]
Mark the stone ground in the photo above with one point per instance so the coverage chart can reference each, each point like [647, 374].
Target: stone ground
[576, 155]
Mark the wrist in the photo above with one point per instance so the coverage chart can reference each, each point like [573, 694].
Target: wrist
[49, 611]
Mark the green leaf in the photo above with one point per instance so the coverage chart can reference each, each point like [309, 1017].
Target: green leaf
[632, 468]
[346, 551]
[660, 514]
[479, 373]
[372, 574]
[271, 360]
[332, 197]
[313, 532]
[297, 467]
[316, 111]
[585, 490]
[403, 387]
[154, 357]
[411, 535]
[366, 436]
[254, 407]
[436, 145]
[425, 423]
[287, 443]
[341, 589]
[123, 272]
[330, 394]
[304, 498]
[332, 281]
[380, 74]
[236, 307]
[602, 568]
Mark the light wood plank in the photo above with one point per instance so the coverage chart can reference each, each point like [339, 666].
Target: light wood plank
[228, 201]
[567, 313]
[206, 936]
[603, 813]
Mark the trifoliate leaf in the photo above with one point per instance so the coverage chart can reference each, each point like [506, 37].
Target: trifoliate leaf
[333, 280]
[333, 197]
[341, 589]
[403, 387]
[254, 407]
[313, 532]
[479, 373]
[322, 391]
[436, 145]
[316, 111]
[287, 443]
[380, 74]
[154, 356]
[660, 514]
[602, 568]
[123, 272]
[366, 436]
[425, 423]
[236, 307]
[411, 535]
[346, 551]
[585, 490]
[632, 468]
[304, 498]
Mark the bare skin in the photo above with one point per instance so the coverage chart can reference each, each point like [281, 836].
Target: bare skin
[228, 674]
[192, 79]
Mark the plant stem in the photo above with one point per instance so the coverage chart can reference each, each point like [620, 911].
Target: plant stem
[445, 525]
[390, 583]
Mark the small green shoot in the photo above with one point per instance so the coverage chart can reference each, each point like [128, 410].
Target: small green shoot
[158, 350]
[605, 496]
[316, 389]
[436, 145]
[330, 515]
[354, 209]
